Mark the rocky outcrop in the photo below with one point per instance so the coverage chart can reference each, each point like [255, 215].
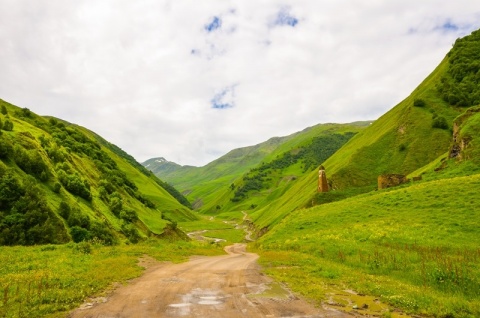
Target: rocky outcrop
[391, 180]
[460, 143]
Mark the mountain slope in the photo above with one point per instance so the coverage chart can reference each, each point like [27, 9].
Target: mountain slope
[61, 182]
[418, 129]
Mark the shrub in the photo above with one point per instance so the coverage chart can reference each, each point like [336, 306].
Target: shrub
[84, 247]
[64, 210]
[419, 102]
[5, 148]
[440, 122]
[75, 185]
[79, 234]
[77, 218]
[128, 215]
[102, 233]
[131, 233]
[8, 125]
[115, 204]
[57, 187]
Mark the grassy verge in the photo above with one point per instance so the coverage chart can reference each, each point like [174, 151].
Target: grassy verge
[53, 279]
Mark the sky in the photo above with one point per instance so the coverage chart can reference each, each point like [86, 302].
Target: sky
[190, 80]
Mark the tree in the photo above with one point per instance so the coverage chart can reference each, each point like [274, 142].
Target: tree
[4, 110]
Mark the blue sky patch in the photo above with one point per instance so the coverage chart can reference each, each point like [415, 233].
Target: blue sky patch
[215, 24]
[449, 26]
[224, 99]
[285, 18]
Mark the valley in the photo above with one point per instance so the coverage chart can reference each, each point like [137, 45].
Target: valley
[249, 234]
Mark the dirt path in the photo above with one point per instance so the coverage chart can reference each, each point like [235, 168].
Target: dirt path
[221, 286]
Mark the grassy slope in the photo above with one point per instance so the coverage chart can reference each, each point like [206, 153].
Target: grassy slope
[400, 141]
[416, 247]
[152, 190]
[151, 219]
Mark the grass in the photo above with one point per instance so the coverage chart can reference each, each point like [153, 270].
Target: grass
[50, 280]
[415, 247]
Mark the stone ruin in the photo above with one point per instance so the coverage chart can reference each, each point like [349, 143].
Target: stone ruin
[391, 180]
[322, 180]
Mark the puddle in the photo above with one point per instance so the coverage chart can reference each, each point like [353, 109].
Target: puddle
[209, 297]
[197, 296]
[179, 305]
[209, 302]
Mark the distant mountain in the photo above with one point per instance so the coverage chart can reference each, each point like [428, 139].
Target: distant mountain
[61, 182]
[160, 166]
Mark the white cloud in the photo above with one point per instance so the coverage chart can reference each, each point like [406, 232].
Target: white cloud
[146, 74]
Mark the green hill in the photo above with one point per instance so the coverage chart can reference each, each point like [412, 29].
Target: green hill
[419, 129]
[61, 182]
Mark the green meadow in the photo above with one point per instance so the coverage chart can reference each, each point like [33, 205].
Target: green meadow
[415, 247]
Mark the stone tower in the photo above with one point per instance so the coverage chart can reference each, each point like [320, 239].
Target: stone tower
[322, 180]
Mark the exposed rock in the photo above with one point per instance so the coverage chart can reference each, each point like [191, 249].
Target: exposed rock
[460, 144]
[391, 180]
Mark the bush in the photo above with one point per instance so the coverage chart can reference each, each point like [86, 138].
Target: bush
[84, 247]
[8, 125]
[77, 218]
[6, 148]
[75, 185]
[57, 187]
[115, 204]
[102, 233]
[440, 122]
[419, 102]
[79, 234]
[131, 233]
[128, 215]
[64, 210]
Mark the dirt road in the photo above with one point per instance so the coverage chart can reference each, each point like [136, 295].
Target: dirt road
[221, 286]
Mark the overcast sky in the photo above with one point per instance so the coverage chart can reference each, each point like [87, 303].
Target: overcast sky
[190, 80]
